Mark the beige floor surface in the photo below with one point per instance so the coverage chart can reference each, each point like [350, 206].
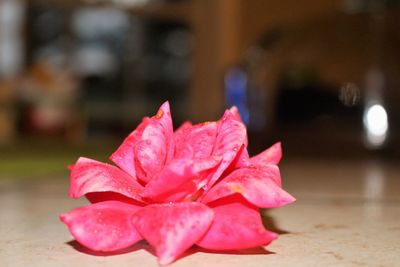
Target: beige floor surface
[347, 214]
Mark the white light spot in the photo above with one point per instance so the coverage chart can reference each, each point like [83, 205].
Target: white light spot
[376, 124]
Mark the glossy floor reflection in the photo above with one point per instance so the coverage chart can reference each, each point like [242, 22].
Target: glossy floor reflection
[347, 214]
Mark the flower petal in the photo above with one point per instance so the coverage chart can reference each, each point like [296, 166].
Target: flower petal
[156, 146]
[236, 225]
[104, 226]
[89, 176]
[235, 112]
[231, 136]
[171, 177]
[148, 147]
[240, 161]
[180, 179]
[124, 156]
[200, 137]
[271, 155]
[257, 185]
[182, 130]
[172, 228]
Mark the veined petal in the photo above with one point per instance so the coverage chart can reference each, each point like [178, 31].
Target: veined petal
[230, 138]
[182, 130]
[156, 145]
[148, 147]
[180, 179]
[150, 158]
[223, 139]
[257, 185]
[235, 112]
[200, 137]
[172, 228]
[124, 156]
[236, 225]
[104, 226]
[240, 161]
[271, 155]
[243, 159]
[89, 176]
[173, 175]
[269, 170]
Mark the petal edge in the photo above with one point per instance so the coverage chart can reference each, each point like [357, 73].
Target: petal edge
[104, 226]
[173, 228]
[236, 225]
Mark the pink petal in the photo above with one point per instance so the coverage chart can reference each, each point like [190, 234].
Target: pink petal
[236, 225]
[172, 228]
[200, 137]
[181, 131]
[257, 185]
[243, 159]
[235, 113]
[180, 179]
[172, 176]
[148, 147]
[271, 155]
[104, 226]
[124, 156]
[240, 161]
[179, 140]
[230, 138]
[156, 147]
[223, 139]
[89, 176]
[150, 158]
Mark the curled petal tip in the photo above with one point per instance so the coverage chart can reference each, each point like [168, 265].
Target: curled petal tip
[64, 218]
[70, 167]
[165, 107]
[273, 236]
[271, 155]
[165, 260]
[287, 199]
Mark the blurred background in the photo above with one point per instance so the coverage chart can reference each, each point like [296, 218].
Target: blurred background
[76, 77]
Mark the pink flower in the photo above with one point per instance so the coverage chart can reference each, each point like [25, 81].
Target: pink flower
[196, 185]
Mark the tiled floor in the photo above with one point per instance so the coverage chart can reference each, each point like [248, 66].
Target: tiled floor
[347, 214]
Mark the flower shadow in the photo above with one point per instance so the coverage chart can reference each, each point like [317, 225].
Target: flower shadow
[251, 251]
[270, 223]
[141, 245]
